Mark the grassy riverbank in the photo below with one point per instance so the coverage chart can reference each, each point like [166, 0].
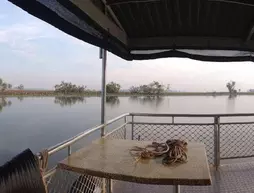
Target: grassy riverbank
[42, 93]
[97, 93]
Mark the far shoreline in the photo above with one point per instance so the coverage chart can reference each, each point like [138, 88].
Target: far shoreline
[51, 93]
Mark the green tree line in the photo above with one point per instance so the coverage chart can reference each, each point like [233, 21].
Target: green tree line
[4, 85]
[69, 88]
[153, 88]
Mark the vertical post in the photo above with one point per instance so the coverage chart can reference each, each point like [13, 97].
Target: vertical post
[177, 189]
[173, 120]
[218, 146]
[103, 89]
[132, 126]
[125, 121]
[108, 186]
[103, 56]
[216, 143]
[69, 150]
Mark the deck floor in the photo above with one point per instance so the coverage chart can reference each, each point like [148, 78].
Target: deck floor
[232, 178]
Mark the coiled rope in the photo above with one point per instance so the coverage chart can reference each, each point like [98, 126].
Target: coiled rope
[43, 164]
[174, 151]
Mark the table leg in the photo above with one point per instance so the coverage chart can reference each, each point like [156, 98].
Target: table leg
[108, 186]
[177, 189]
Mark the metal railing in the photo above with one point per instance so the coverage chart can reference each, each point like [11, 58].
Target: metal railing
[69, 142]
[224, 138]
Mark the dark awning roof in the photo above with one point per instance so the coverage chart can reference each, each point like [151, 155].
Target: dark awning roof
[212, 30]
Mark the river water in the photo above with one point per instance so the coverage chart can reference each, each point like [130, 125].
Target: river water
[40, 122]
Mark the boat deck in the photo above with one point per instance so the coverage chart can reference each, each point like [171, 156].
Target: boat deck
[229, 178]
[233, 178]
[228, 145]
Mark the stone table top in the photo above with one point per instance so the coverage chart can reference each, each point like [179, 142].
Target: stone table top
[111, 159]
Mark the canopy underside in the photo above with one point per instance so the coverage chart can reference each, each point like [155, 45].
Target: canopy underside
[209, 30]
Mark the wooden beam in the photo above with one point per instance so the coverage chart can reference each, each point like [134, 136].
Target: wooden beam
[100, 18]
[118, 2]
[251, 4]
[113, 14]
[250, 34]
[189, 42]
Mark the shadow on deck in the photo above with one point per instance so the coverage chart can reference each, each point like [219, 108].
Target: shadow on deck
[231, 178]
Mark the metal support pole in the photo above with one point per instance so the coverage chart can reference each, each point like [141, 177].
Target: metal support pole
[69, 150]
[103, 89]
[108, 186]
[177, 189]
[218, 146]
[216, 143]
[132, 126]
[125, 121]
[173, 120]
[103, 56]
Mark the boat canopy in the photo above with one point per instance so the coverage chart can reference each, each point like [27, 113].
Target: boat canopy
[208, 30]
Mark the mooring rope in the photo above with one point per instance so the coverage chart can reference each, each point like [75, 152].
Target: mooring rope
[43, 163]
[174, 151]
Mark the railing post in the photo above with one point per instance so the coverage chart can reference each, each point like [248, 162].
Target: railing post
[132, 126]
[218, 149]
[103, 90]
[216, 143]
[125, 121]
[173, 120]
[108, 185]
[69, 150]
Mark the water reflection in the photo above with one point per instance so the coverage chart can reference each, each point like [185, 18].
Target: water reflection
[151, 100]
[231, 103]
[112, 100]
[69, 101]
[4, 103]
[20, 98]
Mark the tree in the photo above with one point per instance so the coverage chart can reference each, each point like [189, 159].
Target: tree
[20, 87]
[168, 87]
[68, 88]
[9, 86]
[134, 90]
[231, 87]
[145, 89]
[154, 88]
[113, 87]
[3, 85]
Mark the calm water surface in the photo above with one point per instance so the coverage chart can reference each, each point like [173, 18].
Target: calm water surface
[37, 123]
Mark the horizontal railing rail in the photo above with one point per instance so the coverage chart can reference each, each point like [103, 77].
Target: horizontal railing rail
[76, 138]
[156, 123]
[191, 115]
[116, 129]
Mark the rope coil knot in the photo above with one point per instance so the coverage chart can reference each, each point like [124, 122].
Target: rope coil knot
[43, 161]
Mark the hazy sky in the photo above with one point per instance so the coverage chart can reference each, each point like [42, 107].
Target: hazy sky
[39, 56]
